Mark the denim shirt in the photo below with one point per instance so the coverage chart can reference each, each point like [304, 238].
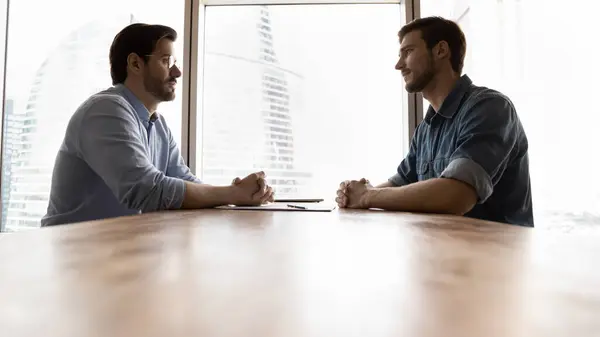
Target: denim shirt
[115, 160]
[476, 137]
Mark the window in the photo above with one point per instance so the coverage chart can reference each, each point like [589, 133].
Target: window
[307, 93]
[47, 80]
[543, 59]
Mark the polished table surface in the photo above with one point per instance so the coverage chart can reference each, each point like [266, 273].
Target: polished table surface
[345, 273]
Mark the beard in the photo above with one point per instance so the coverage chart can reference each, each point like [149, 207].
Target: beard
[420, 82]
[158, 88]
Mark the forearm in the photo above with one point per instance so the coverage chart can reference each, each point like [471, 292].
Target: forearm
[386, 185]
[445, 196]
[206, 196]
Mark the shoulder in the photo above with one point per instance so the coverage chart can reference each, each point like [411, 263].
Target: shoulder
[108, 101]
[108, 108]
[487, 105]
[480, 99]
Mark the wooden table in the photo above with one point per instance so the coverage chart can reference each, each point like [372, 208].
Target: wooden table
[265, 274]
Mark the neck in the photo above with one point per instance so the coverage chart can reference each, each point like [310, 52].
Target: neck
[144, 96]
[439, 88]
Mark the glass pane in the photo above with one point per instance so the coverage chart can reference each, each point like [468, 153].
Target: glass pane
[47, 80]
[307, 93]
[541, 56]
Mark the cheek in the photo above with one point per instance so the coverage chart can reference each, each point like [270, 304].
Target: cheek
[415, 64]
[160, 72]
[411, 63]
[164, 73]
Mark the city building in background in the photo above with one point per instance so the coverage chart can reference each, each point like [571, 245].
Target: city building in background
[11, 139]
[240, 137]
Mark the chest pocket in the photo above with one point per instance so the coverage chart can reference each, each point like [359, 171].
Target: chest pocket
[431, 169]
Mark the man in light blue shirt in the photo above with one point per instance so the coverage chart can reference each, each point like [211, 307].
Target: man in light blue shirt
[119, 157]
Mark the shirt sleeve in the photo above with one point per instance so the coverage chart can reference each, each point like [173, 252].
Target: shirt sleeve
[487, 140]
[177, 167]
[111, 143]
[406, 172]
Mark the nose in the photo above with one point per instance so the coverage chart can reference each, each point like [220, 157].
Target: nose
[401, 64]
[175, 72]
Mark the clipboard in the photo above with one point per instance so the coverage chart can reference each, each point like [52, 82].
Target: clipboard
[283, 207]
[298, 200]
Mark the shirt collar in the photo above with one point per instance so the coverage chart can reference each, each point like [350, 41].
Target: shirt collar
[137, 105]
[452, 102]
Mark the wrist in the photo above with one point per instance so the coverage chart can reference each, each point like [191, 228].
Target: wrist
[229, 194]
[367, 200]
[204, 196]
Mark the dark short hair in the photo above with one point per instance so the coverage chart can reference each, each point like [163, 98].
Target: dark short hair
[435, 29]
[138, 38]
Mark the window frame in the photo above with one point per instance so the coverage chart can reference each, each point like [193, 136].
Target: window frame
[192, 114]
[4, 65]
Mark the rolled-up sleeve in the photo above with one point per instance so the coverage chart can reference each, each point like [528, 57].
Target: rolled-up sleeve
[487, 139]
[111, 143]
[177, 167]
[406, 172]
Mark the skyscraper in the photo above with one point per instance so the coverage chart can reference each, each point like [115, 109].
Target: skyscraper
[10, 145]
[252, 131]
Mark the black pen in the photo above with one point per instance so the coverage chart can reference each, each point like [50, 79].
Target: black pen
[298, 207]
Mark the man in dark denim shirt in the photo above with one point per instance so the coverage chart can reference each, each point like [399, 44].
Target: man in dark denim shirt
[469, 156]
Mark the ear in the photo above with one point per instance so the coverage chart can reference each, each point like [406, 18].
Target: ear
[441, 50]
[135, 64]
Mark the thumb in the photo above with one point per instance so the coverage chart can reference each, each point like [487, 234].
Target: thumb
[236, 181]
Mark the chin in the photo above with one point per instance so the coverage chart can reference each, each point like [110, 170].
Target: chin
[414, 87]
[167, 96]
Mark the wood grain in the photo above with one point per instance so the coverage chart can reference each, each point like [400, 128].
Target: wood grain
[266, 274]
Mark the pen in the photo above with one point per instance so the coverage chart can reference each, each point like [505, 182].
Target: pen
[294, 206]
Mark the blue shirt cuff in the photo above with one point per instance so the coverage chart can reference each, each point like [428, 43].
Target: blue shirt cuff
[471, 173]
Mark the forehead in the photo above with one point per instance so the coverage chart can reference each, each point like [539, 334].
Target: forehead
[413, 38]
[164, 46]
